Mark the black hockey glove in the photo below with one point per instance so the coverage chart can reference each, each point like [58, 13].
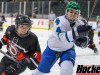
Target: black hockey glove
[81, 31]
[82, 42]
[23, 63]
[34, 64]
[11, 70]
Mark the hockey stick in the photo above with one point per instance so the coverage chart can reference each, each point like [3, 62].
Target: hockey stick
[94, 5]
[8, 56]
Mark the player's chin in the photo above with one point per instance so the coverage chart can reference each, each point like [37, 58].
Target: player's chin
[23, 33]
[72, 18]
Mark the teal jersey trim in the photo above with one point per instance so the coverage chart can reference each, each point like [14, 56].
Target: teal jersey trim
[67, 37]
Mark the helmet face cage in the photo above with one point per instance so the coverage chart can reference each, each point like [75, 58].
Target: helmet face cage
[23, 20]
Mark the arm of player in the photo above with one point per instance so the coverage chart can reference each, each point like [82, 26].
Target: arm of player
[35, 55]
[31, 61]
[7, 34]
[59, 31]
[3, 41]
[36, 52]
[35, 60]
[75, 33]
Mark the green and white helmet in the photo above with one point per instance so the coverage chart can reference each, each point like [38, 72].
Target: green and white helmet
[72, 5]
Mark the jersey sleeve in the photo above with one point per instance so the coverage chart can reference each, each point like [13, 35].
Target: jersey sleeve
[7, 35]
[60, 31]
[35, 53]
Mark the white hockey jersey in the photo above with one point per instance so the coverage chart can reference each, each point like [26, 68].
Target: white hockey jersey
[61, 38]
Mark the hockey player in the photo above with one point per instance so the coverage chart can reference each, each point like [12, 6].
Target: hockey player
[98, 26]
[2, 20]
[67, 31]
[22, 45]
[91, 43]
[51, 18]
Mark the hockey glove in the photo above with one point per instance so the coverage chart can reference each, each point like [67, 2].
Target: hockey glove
[14, 68]
[35, 59]
[82, 42]
[11, 70]
[81, 31]
[23, 63]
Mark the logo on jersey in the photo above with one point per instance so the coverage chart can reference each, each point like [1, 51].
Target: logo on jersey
[88, 70]
[57, 21]
[13, 50]
[15, 40]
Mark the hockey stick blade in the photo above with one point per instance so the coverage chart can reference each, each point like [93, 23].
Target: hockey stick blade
[8, 56]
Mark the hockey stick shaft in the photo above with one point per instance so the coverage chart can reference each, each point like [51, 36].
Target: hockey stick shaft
[8, 56]
[94, 5]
